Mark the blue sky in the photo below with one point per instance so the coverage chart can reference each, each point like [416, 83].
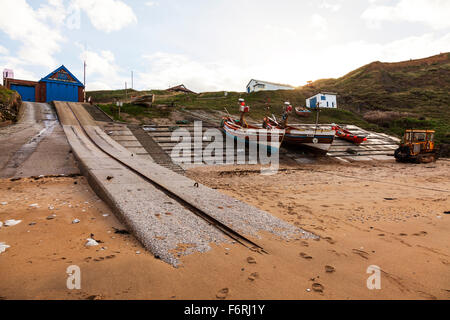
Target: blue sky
[215, 44]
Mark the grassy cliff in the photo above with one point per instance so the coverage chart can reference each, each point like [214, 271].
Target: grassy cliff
[385, 97]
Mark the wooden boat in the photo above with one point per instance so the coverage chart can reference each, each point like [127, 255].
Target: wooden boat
[242, 131]
[315, 137]
[271, 138]
[347, 135]
[302, 112]
[319, 139]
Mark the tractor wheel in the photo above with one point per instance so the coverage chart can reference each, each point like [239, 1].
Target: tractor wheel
[426, 158]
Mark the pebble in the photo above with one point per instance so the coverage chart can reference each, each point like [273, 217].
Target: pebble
[3, 247]
[53, 216]
[138, 252]
[91, 242]
[3, 203]
[32, 223]
[34, 205]
[12, 222]
[106, 215]
[76, 221]
[1, 224]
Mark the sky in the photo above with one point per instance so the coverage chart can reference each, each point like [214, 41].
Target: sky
[215, 45]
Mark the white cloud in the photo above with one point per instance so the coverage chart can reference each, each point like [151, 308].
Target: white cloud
[320, 25]
[434, 13]
[3, 50]
[166, 69]
[107, 15]
[151, 3]
[330, 6]
[39, 41]
[102, 71]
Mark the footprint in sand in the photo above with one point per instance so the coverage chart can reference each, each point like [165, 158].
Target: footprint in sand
[402, 234]
[222, 294]
[317, 287]
[251, 260]
[253, 276]
[305, 256]
[420, 234]
[304, 243]
[330, 240]
[330, 269]
[361, 253]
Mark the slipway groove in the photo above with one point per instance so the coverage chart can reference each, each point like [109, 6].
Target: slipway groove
[204, 215]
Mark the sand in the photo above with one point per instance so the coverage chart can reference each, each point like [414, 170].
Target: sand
[379, 213]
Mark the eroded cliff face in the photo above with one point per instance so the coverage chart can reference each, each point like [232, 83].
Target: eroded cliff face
[10, 102]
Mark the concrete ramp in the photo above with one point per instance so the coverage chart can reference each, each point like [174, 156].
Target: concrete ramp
[153, 211]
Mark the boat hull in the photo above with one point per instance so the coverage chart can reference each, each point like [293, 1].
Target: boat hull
[270, 138]
[320, 140]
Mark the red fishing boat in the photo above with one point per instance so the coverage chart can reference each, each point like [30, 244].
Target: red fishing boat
[347, 135]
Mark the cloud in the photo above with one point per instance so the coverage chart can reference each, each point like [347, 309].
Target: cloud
[3, 50]
[330, 6]
[165, 69]
[39, 41]
[107, 15]
[102, 70]
[434, 13]
[320, 24]
[151, 3]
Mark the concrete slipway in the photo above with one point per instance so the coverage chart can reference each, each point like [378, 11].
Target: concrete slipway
[156, 212]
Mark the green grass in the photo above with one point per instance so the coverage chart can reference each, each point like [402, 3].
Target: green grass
[5, 95]
[138, 112]
[418, 89]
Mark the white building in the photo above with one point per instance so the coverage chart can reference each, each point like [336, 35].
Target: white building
[325, 100]
[258, 85]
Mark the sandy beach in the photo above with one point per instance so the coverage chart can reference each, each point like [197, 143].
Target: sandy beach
[380, 213]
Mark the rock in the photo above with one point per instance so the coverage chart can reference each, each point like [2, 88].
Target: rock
[12, 222]
[3, 247]
[1, 224]
[4, 203]
[91, 242]
[32, 223]
[34, 205]
[76, 221]
[106, 215]
[53, 216]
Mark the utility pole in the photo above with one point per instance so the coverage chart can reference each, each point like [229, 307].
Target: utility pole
[132, 82]
[84, 80]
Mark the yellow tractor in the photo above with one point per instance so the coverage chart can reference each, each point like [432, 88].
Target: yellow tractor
[417, 146]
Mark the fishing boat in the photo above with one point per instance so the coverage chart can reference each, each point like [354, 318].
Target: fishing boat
[242, 131]
[347, 135]
[316, 137]
[302, 112]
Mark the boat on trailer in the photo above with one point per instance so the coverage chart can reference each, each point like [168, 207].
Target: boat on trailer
[347, 135]
[242, 131]
[316, 137]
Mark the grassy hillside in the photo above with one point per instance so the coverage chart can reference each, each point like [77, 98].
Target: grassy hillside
[9, 104]
[385, 97]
